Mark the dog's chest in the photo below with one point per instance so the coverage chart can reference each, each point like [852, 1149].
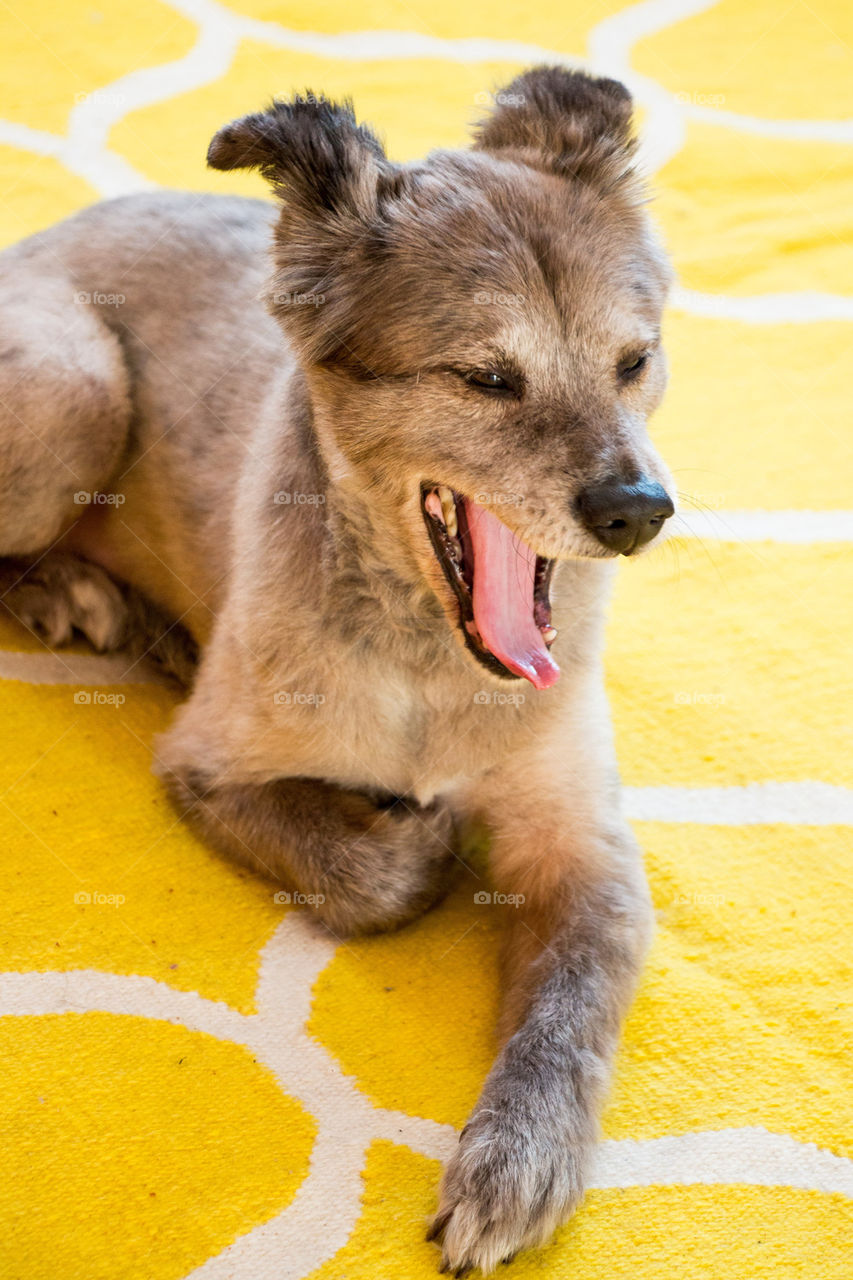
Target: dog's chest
[377, 727]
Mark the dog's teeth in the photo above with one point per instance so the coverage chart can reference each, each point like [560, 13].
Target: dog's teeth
[448, 506]
[549, 634]
[433, 505]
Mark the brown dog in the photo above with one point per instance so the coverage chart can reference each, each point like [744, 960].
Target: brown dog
[384, 508]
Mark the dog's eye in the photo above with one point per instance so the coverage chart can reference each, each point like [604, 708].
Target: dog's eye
[628, 372]
[488, 380]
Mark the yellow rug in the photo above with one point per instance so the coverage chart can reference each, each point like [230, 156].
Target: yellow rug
[195, 1084]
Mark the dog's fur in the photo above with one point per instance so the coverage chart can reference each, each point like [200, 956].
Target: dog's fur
[338, 732]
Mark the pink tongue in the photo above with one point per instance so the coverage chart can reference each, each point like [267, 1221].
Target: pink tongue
[504, 567]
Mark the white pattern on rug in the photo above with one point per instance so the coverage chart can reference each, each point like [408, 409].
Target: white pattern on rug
[347, 1122]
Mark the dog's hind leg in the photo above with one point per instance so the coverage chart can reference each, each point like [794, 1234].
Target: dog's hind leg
[60, 594]
[65, 414]
[65, 405]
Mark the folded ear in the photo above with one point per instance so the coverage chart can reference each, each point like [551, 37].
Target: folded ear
[566, 122]
[333, 181]
[315, 154]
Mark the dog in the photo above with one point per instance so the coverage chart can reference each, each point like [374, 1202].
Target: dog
[357, 466]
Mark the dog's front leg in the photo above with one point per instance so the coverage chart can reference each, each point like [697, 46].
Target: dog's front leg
[578, 927]
[366, 866]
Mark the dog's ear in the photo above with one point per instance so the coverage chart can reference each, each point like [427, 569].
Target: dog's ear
[334, 184]
[312, 150]
[566, 122]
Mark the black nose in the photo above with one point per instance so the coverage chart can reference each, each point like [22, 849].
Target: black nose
[624, 517]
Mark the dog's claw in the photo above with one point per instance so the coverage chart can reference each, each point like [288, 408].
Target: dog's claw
[439, 1222]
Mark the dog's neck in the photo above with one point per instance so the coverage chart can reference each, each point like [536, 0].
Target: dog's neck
[346, 541]
[371, 570]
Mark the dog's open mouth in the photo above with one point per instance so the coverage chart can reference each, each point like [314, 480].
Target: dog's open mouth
[501, 584]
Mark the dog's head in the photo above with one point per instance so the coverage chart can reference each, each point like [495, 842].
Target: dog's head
[480, 333]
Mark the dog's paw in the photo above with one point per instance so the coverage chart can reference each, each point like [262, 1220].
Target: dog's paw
[61, 594]
[390, 866]
[508, 1186]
